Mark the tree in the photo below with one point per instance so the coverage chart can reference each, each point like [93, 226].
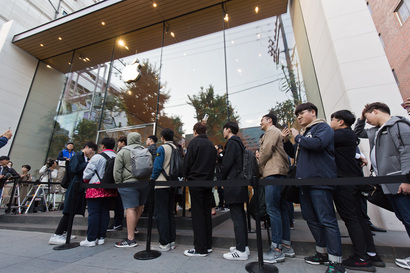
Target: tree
[206, 102]
[285, 112]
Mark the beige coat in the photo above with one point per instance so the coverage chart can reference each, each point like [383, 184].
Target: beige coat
[273, 159]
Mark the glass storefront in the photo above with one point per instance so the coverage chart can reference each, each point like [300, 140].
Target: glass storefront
[253, 68]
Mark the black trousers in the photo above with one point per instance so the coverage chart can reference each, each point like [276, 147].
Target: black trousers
[164, 212]
[348, 204]
[201, 218]
[118, 211]
[238, 217]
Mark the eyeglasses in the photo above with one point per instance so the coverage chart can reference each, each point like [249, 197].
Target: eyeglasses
[301, 113]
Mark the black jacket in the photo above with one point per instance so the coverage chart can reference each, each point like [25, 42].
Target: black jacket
[5, 171]
[231, 168]
[200, 158]
[345, 151]
[76, 169]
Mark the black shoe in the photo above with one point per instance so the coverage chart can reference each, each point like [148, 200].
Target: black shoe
[377, 261]
[335, 268]
[356, 263]
[115, 228]
[376, 229]
[316, 259]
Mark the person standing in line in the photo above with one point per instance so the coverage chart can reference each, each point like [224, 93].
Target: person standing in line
[199, 164]
[133, 199]
[274, 164]
[232, 162]
[389, 140]
[316, 158]
[78, 163]
[98, 200]
[348, 197]
[164, 195]
[151, 143]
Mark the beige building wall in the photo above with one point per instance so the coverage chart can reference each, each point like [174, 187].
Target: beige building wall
[350, 65]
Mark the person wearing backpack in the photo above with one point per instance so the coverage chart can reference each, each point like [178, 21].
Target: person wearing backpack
[232, 166]
[389, 140]
[164, 195]
[274, 164]
[99, 200]
[133, 199]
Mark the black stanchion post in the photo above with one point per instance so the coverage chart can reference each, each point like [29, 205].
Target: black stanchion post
[148, 253]
[67, 244]
[259, 267]
[8, 210]
[248, 217]
[183, 201]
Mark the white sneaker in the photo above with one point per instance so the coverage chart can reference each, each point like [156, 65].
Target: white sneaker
[403, 263]
[72, 237]
[100, 241]
[88, 243]
[173, 245]
[236, 255]
[232, 249]
[166, 247]
[56, 240]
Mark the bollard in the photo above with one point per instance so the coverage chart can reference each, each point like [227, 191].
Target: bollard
[148, 253]
[259, 266]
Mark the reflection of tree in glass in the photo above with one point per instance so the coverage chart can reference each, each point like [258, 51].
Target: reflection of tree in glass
[139, 100]
[206, 102]
[285, 111]
[60, 136]
[85, 130]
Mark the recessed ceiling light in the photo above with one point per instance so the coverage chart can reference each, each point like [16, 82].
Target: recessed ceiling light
[121, 42]
[172, 34]
[155, 5]
[226, 17]
[48, 66]
[60, 38]
[41, 45]
[256, 9]
[103, 23]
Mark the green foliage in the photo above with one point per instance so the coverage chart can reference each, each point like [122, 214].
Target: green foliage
[206, 102]
[285, 112]
[85, 130]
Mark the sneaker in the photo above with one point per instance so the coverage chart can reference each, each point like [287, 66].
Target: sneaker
[166, 247]
[126, 243]
[193, 253]
[72, 237]
[101, 241]
[173, 245]
[115, 228]
[232, 249]
[376, 261]
[403, 263]
[288, 251]
[236, 255]
[273, 256]
[316, 259]
[335, 268]
[88, 243]
[57, 240]
[218, 209]
[209, 250]
[356, 263]
[136, 231]
[225, 210]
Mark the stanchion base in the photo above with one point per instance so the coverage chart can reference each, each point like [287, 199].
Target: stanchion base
[254, 267]
[66, 246]
[147, 255]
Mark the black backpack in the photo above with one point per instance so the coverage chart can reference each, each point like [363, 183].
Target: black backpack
[249, 165]
[175, 165]
[65, 182]
[108, 177]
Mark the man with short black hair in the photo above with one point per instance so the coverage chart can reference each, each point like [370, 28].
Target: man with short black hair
[232, 165]
[316, 158]
[164, 195]
[348, 197]
[199, 164]
[274, 164]
[151, 143]
[389, 140]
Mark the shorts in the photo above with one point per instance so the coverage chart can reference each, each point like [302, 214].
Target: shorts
[133, 197]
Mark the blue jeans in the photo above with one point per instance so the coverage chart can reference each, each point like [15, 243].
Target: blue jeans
[319, 213]
[401, 206]
[98, 217]
[277, 210]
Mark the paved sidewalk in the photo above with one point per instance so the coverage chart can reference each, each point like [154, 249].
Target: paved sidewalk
[23, 251]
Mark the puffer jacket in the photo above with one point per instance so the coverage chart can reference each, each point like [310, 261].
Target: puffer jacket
[97, 163]
[123, 164]
[392, 148]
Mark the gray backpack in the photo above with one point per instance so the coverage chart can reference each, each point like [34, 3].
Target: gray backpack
[141, 162]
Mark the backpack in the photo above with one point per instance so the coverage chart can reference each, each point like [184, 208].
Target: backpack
[249, 165]
[108, 177]
[175, 165]
[141, 162]
[65, 182]
[263, 214]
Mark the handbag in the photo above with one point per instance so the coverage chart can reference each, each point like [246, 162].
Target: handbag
[375, 195]
[290, 193]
